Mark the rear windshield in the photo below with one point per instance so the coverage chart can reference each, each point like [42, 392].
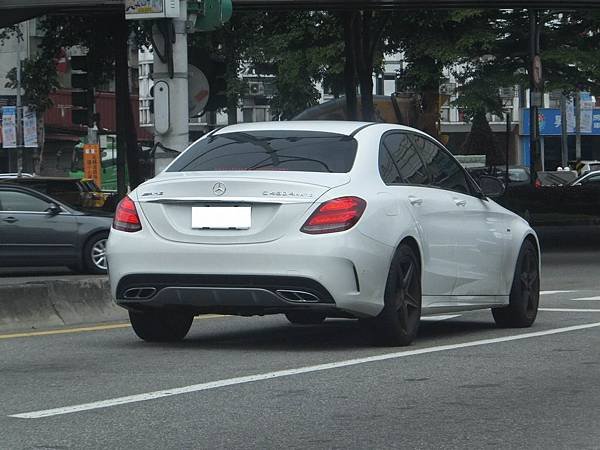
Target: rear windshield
[294, 151]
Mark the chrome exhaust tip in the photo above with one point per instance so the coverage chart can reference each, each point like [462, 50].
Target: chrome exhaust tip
[298, 296]
[139, 293]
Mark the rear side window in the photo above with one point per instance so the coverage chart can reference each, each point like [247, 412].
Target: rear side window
[445, 171]
[294, 151]
[399, 162]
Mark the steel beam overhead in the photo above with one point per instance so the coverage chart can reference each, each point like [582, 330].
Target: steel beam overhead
[408, 4]
[14, 11]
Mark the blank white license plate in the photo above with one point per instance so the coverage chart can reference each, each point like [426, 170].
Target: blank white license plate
[222, 217]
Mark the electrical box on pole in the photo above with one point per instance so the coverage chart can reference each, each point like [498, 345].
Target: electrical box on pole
[162, 121]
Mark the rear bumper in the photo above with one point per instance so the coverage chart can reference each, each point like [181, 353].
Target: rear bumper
[205, 294]
[344, 273]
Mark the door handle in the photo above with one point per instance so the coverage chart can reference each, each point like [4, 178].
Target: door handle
[9, 220]
[415, 201]
[460, 202]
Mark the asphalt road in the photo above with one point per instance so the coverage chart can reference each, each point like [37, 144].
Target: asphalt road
[262, 383]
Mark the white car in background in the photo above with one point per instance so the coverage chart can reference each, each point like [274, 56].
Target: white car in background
[16, 175]
[319, 219]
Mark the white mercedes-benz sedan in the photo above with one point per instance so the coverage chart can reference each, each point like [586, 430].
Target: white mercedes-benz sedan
[319, 219]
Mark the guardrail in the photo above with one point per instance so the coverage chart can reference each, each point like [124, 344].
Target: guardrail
[54, 303]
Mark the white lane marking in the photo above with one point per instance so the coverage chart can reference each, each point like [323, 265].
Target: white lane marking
[568, 310]
[285, 373]
[440, 317]
[587, 299]
[555, 292]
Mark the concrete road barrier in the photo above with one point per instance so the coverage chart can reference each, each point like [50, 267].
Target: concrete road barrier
[49, 303]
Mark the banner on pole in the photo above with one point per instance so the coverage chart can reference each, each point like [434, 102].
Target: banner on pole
[92, 164]
[9, 127]
[587, 112]
[29, 128]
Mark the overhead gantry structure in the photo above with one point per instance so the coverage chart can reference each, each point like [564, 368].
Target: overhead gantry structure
[14, 11]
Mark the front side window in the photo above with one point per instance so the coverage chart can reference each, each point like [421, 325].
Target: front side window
[399, 162]
[20, 201]
[445, 172]
[294, 151]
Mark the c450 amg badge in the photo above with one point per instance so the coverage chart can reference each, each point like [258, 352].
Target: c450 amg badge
[287, 194]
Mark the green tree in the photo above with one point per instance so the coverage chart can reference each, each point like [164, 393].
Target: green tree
[299, 48]
[570, 59]
[433, 41]
[365, 35]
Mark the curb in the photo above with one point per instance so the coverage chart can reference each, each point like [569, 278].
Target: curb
[52, 303]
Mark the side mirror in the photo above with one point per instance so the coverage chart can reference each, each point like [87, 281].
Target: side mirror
[491, 187]
[54, 209]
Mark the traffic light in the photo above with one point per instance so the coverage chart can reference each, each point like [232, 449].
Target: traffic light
[209, 15]
[82, 93]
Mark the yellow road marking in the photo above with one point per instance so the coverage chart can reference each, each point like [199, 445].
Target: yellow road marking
[66, 331]
[114, 326]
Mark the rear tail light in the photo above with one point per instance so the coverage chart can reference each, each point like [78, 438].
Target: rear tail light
[335, 215]
[126, 216]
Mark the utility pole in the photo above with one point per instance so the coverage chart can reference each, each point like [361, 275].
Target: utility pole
[170, 75]
[564, 130]
[171, 88]
[19, 109]
[507, 148]
[577, 125]
[535, 94]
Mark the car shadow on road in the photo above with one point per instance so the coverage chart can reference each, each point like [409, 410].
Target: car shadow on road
[333, 335]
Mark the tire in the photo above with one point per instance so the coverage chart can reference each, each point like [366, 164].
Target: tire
[525, 291]
[160, 326]
[305, 317]
[94, 254]
[398, 322]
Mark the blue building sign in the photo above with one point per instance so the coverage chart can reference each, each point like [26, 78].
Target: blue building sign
[550, 123]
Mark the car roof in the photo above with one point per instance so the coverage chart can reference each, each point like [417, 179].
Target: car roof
[325, 126]
[34, 179]
[344, 127]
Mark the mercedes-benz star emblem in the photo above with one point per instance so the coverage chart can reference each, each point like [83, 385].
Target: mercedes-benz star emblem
[219, 188]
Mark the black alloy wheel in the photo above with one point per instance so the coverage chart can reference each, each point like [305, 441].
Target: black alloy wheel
[525, 291]
[398, 322]
[160, 326]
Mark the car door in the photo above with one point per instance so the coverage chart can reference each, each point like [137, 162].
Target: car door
[478, 227]
[403, 171]
[30, 234]
[581, 201]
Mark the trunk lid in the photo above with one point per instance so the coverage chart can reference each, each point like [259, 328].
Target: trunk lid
[278, 201]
